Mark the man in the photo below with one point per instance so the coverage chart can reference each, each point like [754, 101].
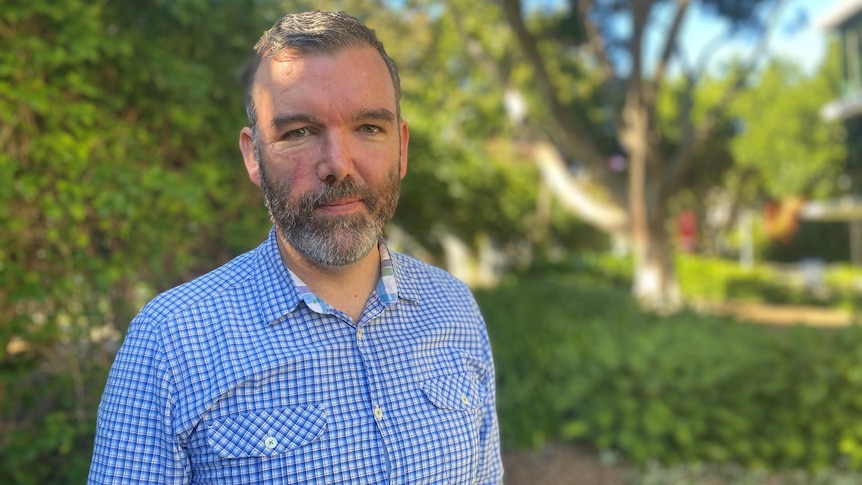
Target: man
[320, 356]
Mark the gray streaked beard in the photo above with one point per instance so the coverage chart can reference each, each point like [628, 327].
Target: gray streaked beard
[331, 241]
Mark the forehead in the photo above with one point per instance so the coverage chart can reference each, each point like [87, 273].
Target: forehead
[352, 78]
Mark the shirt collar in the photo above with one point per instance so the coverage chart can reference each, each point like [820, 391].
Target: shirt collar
[387, 287]
[277, 294]
[283, 290]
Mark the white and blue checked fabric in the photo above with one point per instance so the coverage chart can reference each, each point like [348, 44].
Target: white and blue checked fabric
[234, 378]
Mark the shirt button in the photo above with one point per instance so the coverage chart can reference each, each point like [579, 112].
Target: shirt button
[465, 400]
[359, 333]
[270, 442]
[378, 413]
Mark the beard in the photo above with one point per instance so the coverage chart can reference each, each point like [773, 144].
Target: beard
[331, 241]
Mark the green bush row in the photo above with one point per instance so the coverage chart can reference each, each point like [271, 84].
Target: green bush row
[576, 360]
[714, 279]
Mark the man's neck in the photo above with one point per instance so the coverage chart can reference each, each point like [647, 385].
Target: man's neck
[346, 288]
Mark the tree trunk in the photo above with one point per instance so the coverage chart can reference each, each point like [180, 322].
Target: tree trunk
[654, 281]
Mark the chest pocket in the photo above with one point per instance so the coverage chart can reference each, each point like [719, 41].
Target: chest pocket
[455, 392]
[453, 380]
[453, 396]
[267, 433]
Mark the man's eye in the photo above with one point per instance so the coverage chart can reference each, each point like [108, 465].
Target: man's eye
[371, 129]
[297, 133]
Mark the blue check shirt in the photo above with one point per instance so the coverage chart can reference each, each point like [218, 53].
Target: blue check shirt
[243, 376]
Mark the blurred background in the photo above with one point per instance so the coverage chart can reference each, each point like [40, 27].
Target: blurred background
[658, 204]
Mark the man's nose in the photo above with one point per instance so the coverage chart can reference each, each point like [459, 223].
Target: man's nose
[337, 158]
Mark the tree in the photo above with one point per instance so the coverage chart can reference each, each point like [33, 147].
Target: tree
[608, 40]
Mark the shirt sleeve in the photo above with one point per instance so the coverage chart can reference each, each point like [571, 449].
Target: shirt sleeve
[135, 439]
[490, 470]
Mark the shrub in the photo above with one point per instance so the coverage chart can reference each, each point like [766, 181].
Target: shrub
[118, 168]
[576, 360]
[714, 279]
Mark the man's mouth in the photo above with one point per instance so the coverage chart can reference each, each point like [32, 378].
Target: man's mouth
[341, 206]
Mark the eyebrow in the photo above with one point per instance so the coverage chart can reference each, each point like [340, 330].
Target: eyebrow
[286, 119]
[381, 114]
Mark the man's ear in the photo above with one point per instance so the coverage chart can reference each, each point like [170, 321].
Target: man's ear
[405, 141]
[246, 146]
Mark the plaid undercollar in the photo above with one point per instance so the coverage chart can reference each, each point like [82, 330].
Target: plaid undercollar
[387, 289]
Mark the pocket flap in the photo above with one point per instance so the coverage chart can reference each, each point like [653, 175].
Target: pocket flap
[452, 391]
[265, 433]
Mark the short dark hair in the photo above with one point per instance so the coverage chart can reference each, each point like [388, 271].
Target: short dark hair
[322, 33]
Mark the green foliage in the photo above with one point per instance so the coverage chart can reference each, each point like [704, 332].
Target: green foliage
[789, 145]
[57, 448]
[121, 165]
[655, 473]
[714, 159]
[464, 177]
[527, 347]
[577, 360]
[578, 81]
[716, 280]
[457, 187]
[713, 279]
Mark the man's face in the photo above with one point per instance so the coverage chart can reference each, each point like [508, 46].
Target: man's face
[331, 151]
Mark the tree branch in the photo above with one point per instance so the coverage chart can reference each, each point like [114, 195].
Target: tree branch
[566, 129]
[594, 40]
[682, 159]
[670, 42]
[573, 196]
[597, 47]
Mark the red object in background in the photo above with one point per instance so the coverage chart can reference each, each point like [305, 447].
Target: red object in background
[686, 223]
[782, 218]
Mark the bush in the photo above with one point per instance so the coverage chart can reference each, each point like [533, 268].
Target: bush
[118, 166]
[578, 361]
[718, 280]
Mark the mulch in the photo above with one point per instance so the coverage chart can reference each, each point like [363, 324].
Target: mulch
[559, 464]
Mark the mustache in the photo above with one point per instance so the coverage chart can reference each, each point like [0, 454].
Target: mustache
[341, 189]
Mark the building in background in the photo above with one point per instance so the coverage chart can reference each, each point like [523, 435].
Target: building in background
[845, 21]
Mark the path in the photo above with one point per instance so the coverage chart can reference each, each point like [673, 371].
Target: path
[816, 316]
[559, 464]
